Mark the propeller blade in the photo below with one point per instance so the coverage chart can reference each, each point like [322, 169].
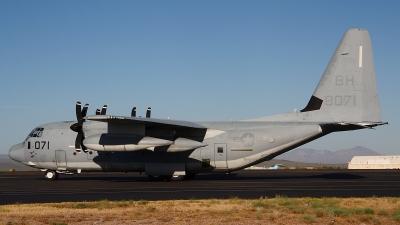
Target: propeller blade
[83, 147]
[148, 113]
[104, 110]
[77, 127]
[78, 141]
[78, 111]
[133, 113]
[97, 111]
[84, 110]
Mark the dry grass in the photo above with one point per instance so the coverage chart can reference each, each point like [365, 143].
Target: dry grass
[278, 210]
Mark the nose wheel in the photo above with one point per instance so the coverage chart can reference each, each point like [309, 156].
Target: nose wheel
[51, 175]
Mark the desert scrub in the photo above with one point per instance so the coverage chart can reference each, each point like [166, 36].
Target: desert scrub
[383, 212]
[341, 212]
[260, 204]
[143, 202]
[320, 213]
[236, 199]
[396, 215]
[369, 210]
[280, 210]
[308, 218]
[297, 209]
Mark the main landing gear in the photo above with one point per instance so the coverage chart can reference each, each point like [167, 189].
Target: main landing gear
[189, 176]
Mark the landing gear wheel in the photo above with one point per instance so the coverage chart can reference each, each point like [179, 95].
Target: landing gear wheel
[178, 177]
[51, 175]
[154, 178]
[159, 178]
[166, 177]
[190, 176]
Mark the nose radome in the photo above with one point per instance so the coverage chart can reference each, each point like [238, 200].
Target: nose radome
[17, 152]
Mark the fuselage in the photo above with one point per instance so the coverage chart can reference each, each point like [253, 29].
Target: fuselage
[228, 146]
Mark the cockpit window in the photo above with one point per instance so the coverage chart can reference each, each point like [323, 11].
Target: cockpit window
[37, 132]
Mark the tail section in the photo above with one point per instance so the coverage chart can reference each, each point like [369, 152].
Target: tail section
[347, 91]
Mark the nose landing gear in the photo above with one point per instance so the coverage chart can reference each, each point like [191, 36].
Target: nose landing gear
[51, 175]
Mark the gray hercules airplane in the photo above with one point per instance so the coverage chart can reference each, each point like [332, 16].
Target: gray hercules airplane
[345, 99]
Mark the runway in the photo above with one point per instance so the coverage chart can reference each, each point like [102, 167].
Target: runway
[31, 187]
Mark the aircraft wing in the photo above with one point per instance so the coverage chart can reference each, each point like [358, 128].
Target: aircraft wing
[148, 122]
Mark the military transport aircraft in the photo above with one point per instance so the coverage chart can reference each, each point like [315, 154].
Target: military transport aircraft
[345, 99]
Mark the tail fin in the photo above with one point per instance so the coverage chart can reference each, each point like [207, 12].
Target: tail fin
[347, 91]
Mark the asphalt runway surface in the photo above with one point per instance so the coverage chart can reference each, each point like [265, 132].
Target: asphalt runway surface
[31, 187]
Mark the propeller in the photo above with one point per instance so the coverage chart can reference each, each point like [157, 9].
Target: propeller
[77, 127]
[133, 113]
[104, 110]
[148, 113]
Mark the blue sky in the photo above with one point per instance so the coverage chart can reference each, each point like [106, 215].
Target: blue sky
[188, 60]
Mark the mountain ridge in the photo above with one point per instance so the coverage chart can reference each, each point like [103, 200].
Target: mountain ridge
[342, 156]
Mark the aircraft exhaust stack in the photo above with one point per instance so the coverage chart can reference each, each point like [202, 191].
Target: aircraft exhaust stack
[97, 111]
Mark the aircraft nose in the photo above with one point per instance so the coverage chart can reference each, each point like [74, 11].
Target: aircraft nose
[17, 152]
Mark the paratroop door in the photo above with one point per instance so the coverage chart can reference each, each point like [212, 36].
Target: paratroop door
[220, 155]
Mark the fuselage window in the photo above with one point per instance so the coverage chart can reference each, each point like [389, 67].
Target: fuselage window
[220, 150]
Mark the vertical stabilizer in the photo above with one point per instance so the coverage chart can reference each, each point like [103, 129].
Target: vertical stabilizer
[347, 90]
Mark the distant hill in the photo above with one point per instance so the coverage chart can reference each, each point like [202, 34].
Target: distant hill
[288, 164]
[4, 156]
[324, 156]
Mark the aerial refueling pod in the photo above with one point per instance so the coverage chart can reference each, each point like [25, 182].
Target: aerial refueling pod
[184, 144]
[121, 143]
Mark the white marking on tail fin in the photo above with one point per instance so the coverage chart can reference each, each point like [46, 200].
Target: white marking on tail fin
[360, 57]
